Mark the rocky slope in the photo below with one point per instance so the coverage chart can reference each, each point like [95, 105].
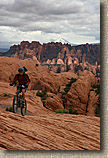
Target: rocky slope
[48, 132]
[55, 85]
[42, 128]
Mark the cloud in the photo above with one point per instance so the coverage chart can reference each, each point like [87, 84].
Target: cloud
[51, 16]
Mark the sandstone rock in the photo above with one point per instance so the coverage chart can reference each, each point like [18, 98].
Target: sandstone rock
[35, 59]
[48, 132]
[77, 97]
[53, 102]
[93, 102]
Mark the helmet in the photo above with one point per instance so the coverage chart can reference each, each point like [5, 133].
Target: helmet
[20, 69]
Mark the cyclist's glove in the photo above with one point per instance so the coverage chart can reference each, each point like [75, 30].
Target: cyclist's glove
[26, 85]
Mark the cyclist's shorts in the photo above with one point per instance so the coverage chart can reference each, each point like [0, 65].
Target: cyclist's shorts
[20, 89]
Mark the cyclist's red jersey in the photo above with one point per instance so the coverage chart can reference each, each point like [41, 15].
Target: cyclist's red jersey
[22, 79]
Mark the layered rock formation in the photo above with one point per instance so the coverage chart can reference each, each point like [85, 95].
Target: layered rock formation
[48, 132]
[71, 58]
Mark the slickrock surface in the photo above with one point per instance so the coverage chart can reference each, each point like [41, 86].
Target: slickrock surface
[42, 128]
[49, 132]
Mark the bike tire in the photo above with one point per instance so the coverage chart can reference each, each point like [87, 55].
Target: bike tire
[15, 104]
[24, 109]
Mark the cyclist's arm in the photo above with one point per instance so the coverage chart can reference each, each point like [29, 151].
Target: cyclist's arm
[28, 80]
[15, 79]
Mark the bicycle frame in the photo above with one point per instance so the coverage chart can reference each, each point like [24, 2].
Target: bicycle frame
[19, 102]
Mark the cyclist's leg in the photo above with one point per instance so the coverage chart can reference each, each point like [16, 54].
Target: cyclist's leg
[23, 94]
[18, 90]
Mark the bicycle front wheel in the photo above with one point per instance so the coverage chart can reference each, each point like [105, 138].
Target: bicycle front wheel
[24, 109]
[15, 104]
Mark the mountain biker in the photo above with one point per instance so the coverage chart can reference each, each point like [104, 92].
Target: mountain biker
[23, 80]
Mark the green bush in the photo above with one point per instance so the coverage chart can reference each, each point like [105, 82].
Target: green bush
[44, 92]
[43, 98]
[75, 112]
[62, 97]
[67, 89]
[41, 94]
[95, 86]
[51, 96]
[97, 89]
[6, 95]
[66, 111]
[73, 80]
[10, 109]
[63, 93]
[70, 111]
[59, 111]
[68, 86]
[7, 109]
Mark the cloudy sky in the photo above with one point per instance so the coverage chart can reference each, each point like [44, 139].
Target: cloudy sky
[78, 21]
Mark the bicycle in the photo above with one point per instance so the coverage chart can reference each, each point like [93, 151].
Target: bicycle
[17, 102]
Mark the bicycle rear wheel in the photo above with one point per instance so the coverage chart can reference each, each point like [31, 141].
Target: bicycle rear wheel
[15, 104]
[24, 109]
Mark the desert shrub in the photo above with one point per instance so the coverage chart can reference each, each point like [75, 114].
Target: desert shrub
[7, 109]
[73, 80]
[41, 94]
[43, 98]
[6, 95]
[67, 89]
[97, 89]
[64, 93]
[44, 92]
[59, 111]
[62, 97]
[70, 111]
[66, 111]
[10, 109]
[68, 86]
[75, 112]
[51, 96]
[95, 86]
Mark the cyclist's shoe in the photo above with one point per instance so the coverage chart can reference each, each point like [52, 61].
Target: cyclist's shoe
[11, 84]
